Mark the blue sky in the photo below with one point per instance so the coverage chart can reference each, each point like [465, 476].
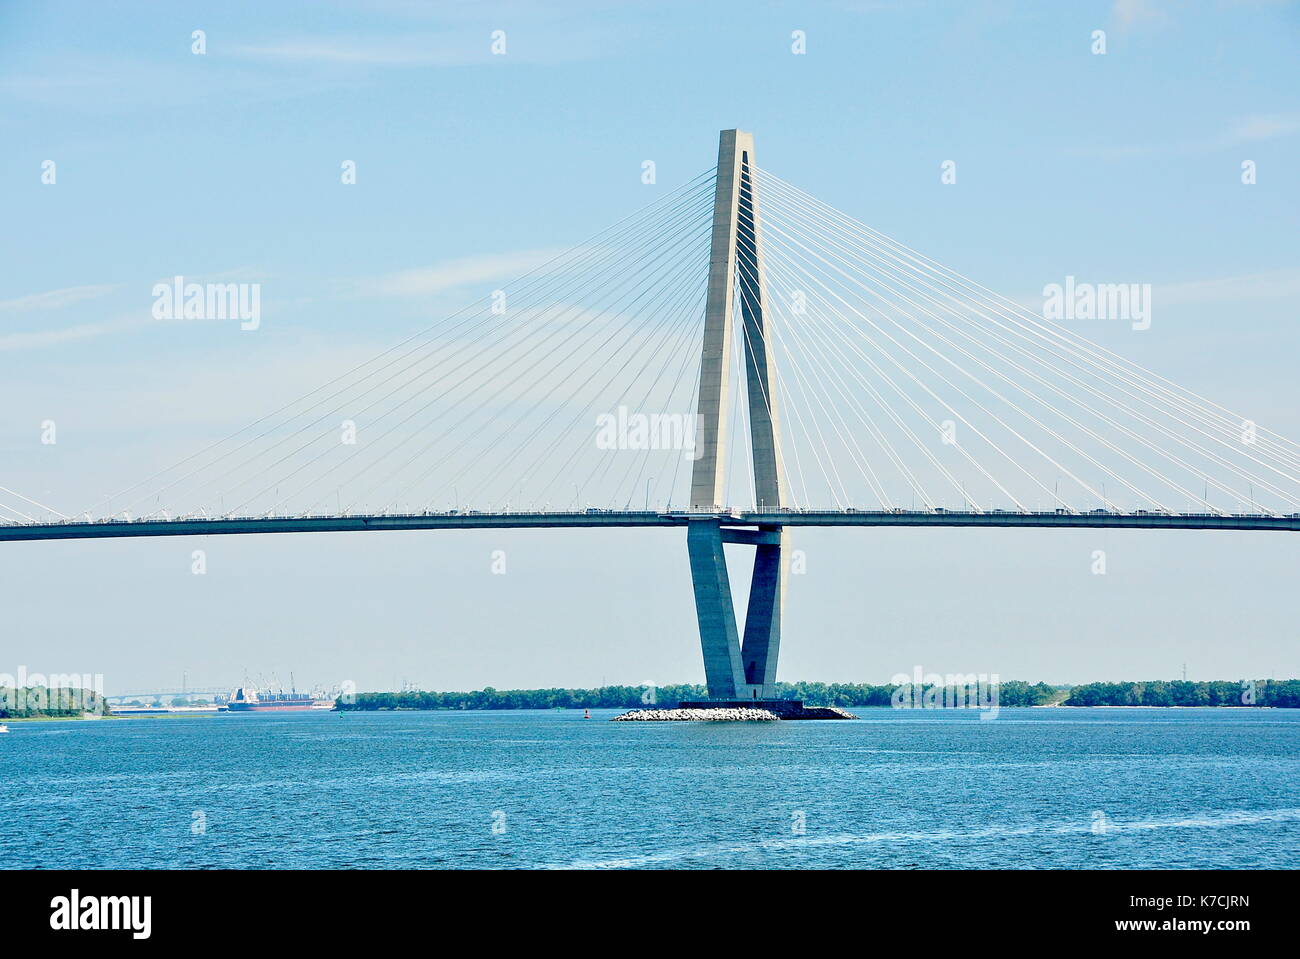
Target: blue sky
[225, 166]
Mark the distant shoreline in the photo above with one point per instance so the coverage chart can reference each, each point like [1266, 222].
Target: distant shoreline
[956, 692]
[549, 709]
[977, 693]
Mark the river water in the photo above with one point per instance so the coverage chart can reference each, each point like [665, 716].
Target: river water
[1204, 788]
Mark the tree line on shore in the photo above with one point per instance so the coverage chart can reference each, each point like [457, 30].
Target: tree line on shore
[1283, 693]
[58, 703]
[44, 702]
[1277, 693]
[1013, 693]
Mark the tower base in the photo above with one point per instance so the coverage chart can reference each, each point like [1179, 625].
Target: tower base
[779, 708]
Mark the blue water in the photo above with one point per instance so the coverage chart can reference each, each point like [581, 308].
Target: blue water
[1213, 788]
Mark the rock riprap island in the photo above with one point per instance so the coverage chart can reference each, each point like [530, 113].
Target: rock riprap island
[761, 711]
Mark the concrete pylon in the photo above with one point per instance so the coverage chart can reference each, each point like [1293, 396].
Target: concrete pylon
[733, 671]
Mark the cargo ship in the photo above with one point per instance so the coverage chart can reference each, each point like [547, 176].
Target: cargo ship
[246, 699]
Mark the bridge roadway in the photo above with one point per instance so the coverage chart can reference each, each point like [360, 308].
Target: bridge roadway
[192, 526]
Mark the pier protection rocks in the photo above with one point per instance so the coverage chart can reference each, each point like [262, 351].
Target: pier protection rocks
[722, 714]
[763, 710]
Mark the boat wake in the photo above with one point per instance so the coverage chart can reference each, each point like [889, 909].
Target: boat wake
[1208, 820]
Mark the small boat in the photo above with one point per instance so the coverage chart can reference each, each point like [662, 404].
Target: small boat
[3, 728]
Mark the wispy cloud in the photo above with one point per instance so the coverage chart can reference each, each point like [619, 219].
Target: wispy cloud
[1130, 13]
[38, 339]
[1268, 285]
[460, 272]
[1276, 284]
[352, 52]
[541, 45]
[1263, 128]
[123, 323]
[494, 268]
[1249, 129]
[54, 299]
[97, 82]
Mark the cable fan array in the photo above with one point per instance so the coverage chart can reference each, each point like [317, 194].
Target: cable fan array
[529, 399]
[902, 383]
[898, 384]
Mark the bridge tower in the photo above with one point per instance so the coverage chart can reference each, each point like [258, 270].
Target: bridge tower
[735, 670]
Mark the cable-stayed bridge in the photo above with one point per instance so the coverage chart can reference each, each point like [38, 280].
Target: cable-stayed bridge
[602, 389]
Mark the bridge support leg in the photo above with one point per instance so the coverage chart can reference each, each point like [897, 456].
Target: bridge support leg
[762, 643]
[734, 671]
[723, 670]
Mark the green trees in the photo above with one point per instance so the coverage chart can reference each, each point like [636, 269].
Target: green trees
[1264, 692]
[1280, 693]
[44, 702]
[1013, 693]
[605, 697]
[1283, 693]
[1017, 693]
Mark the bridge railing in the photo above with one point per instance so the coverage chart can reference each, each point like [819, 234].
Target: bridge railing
[684, 513]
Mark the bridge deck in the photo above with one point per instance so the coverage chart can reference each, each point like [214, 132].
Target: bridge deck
[189, 526]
